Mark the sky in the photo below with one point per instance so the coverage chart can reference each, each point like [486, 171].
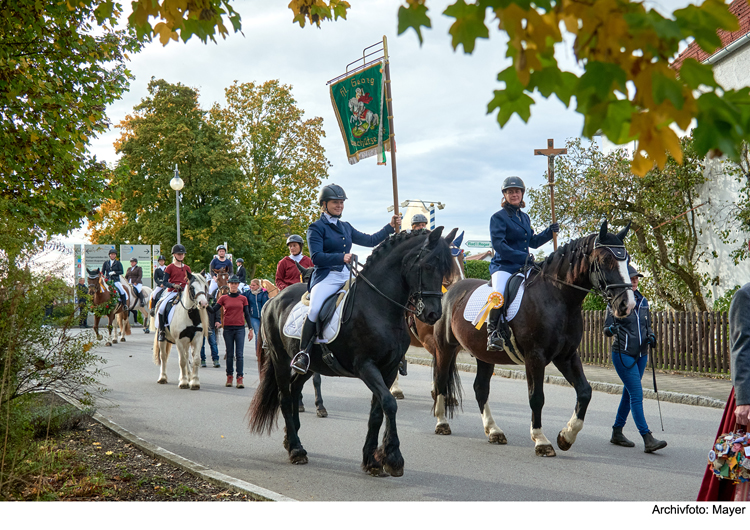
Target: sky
[448, 148]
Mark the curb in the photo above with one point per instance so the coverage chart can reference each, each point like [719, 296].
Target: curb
[609, 388]
[198, 470]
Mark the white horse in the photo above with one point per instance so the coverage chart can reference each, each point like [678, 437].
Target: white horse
[360, 114]
[188, 329]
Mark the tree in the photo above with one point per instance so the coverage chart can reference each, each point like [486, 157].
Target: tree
[281, 160]
[618, 43]
[663, 206]
[60, 66]
[168, 127]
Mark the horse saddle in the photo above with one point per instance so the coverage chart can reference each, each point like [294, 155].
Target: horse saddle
[329, 318]
[328, 309]
[511, 290]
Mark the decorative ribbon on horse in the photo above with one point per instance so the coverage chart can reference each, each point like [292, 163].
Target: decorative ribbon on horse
[103, 285]
[494, 301]
[359, 103]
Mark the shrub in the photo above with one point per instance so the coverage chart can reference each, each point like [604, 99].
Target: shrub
[477, 269]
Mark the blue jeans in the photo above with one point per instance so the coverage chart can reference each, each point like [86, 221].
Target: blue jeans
[212, 345]
[256, 326]
[234, 338]
[630, 371]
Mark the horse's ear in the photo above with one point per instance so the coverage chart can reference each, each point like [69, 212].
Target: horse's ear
[603, 231]
[89, 271]
[300, 268]
[622, 234]
[434, 236]
[451, 235]
[190, 276]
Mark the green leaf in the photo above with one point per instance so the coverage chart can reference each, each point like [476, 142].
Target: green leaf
[665, 88]
[599, 79]
[507, 106]
[696, 74]
[616, 125]
[702, 22]
[469, 25]
[414, 16]
[513, 86]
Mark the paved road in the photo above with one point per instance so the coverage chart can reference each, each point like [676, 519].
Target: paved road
[209, 427]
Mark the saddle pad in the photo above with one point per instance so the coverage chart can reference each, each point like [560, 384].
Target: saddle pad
[479, 297]
[169, 310]
[296, 319]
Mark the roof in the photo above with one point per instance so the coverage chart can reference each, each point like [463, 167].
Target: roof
[741, 9]
[480, 257]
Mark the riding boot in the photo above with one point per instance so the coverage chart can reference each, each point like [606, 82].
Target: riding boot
[652, 444]
[162, 329]
[140, 298]
[402, 366]
[124, 302]
[619, 439]
[495, 341]
[301, 361]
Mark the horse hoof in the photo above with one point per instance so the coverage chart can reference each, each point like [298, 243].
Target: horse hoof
[394, 472]
[544, 450]
[322, 412]
[108, 344]
[184, 385]
[298, 457]
[398, 394]
[498, 438]
[442, 428]
[195, 387]
[122, 339]
[162, 381]
[562, 443]
[376, 472]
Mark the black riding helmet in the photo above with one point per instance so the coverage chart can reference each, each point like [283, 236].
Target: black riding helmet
[294, 238]
[161, 258]
[513, 182]
[112, 251]
[234, 279]
[419, 218]
[178, 249]
[133, 260]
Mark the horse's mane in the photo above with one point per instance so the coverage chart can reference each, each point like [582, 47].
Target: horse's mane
[442, 261]
[569, 261]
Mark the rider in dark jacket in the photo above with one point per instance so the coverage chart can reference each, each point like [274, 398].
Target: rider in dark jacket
[633, 336]
[512, 235]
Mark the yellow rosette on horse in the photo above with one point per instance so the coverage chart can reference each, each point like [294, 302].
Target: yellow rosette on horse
[494, 301]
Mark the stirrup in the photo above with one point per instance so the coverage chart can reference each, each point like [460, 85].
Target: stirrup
[495, 342]
[301, 363]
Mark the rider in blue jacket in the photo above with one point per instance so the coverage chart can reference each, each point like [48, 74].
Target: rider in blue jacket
[330, 242]
[511, 235]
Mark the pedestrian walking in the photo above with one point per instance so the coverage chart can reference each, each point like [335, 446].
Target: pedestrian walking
[256, 296]
[236, 314]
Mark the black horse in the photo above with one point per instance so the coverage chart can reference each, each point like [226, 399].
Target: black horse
[406, 269]
[548, 328]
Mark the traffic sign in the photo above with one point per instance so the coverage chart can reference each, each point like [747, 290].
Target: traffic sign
[478, 244]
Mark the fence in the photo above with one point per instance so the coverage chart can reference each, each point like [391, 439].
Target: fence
[691, 342]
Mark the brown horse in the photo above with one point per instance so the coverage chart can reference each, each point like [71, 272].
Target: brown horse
[547, 328]
[100, 295]
[221, 276]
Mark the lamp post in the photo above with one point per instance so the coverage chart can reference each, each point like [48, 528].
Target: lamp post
[177, 184]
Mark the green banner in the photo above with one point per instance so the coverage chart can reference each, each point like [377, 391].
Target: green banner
[359, 103]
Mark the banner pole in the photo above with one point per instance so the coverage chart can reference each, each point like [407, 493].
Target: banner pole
[392, 138]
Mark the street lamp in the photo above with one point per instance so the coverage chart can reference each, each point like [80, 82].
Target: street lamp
[177, 184]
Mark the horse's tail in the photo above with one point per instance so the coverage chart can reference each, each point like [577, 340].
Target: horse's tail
[447, 383]
[204, 322]
[264, 408]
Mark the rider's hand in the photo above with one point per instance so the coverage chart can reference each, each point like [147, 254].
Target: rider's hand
[396, 222]
[347, 258]
[742, 414]
[555, 227]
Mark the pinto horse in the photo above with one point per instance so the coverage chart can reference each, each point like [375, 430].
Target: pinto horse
[100, 295]
[406, 268]
[188, 329]
[547, 328]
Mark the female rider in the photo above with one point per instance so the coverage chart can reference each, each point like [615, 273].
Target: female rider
[176, 279]
[512, 235]
[330, 242]
[633, 335]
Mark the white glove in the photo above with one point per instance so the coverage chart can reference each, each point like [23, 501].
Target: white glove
[111, 273]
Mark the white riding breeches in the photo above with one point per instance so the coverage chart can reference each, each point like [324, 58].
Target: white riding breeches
[156, 292]
[137, 286]
[500, 280]
[165, 301]
[331, 284]
[121, 289]
[212, 287]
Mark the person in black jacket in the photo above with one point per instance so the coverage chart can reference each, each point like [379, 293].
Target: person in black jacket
[112, 270]
[632, 337]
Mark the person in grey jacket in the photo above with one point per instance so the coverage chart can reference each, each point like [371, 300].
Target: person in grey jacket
[739, 342]
[632, 337]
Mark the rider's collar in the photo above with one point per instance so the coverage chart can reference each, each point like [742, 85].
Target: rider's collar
[330, 218]
[512, 209]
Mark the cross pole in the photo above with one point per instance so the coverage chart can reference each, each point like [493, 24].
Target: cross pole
[550, 153]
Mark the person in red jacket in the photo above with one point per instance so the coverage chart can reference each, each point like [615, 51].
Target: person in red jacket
[236, 314]
[175, 279]
[287, 272]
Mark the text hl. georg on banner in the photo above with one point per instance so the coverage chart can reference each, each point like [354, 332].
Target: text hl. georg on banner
[359, 102]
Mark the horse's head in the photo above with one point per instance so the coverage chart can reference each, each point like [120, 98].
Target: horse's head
[92, 279]
[608, 270]
[222, 276]
[423, 270]
[458, 258]
[304, 272]
[197, 290]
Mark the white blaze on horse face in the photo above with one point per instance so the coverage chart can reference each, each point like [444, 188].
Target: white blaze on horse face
[626, 279]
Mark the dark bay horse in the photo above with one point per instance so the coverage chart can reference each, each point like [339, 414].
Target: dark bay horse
[406, 268]
[548, 328]
[101, 297]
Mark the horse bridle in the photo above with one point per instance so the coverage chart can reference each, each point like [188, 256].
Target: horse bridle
[596, 274]
[192, 294]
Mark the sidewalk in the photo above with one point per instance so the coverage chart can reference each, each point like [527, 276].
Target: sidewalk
[676, 388]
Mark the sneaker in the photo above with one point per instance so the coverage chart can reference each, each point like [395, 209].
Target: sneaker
[240, 383]
[216, 364]
[229, 381]
[301, 363]
[203, 364]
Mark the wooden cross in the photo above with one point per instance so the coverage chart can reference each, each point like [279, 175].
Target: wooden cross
[550, 153]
